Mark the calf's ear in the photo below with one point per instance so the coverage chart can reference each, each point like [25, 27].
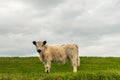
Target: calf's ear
[44, 42]
[34, 42]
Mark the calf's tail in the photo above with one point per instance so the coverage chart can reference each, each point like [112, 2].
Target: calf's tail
[78, 61]
[78, 58]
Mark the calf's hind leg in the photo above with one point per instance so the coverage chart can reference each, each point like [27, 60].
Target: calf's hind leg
[74, 64]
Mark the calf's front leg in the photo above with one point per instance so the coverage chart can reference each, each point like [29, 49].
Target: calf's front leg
[47, 67]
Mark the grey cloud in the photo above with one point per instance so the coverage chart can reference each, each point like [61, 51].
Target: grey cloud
[94, 25]
[44, 4]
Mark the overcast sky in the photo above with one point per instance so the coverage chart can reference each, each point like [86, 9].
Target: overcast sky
[93, 24]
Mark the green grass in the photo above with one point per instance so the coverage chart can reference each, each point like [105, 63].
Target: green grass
[30, 68]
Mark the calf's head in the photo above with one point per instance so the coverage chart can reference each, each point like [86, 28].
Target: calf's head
[40, 46]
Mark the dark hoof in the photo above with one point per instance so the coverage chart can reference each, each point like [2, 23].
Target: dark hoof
[47, 71]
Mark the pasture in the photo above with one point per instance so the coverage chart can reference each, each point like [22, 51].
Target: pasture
[30, 68]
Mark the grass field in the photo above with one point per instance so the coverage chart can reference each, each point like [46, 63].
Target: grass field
[30, 68]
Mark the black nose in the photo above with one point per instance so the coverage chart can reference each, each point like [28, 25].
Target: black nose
[39, 50]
